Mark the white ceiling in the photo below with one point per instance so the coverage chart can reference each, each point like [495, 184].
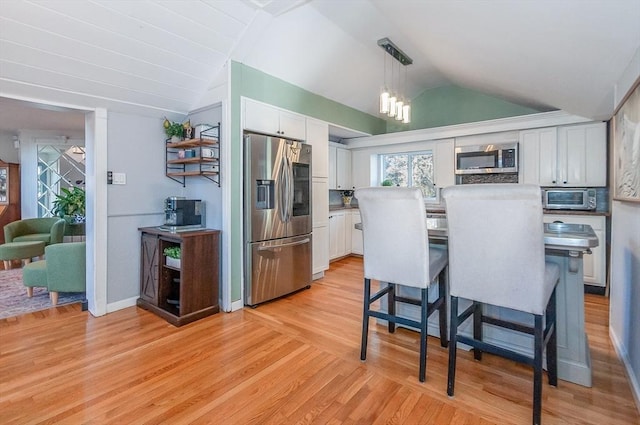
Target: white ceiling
[171, 54]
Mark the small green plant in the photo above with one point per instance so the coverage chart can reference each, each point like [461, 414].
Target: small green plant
[174, 129]
[70, 202]
[387, 183]
[172, 252]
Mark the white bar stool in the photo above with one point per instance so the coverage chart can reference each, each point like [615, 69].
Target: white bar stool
[496, 257]
[396, 251]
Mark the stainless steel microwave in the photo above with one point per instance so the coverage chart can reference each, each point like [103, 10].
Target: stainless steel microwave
[569, 199]
[487, 159]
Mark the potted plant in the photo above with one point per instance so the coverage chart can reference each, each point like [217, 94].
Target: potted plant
[387, 183]
[173, 256]
[346, 197]
[70, 205]
[173, 130]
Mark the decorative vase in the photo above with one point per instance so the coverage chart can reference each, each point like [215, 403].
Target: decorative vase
[346, 201]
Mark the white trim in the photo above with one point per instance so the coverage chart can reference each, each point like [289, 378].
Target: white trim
[544, 119]
[119, 305]
[237, 305]
[96, 145]
[225, 185]
[624, 356]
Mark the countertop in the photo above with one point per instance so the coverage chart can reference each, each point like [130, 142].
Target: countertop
[442, 211]
[559, 236]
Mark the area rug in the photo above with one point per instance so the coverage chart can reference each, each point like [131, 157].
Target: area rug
[14, 300]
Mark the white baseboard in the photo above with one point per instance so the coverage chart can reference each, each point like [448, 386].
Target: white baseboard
[624, 356]
[119, 305]
[237, 305]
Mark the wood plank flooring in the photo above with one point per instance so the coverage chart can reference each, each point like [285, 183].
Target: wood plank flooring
[294, 361]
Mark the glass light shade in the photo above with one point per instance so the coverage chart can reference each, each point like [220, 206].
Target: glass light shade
[392, 106]
[384, 101]
[406, 112]
[399, 110]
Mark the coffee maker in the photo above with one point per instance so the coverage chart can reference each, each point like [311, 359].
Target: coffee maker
[183, 214]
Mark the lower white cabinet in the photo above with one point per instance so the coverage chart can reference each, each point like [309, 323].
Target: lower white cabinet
[320, 250]
[356, 235]
[340, 237]
[320, 193]
[594, 264]
[336, 234]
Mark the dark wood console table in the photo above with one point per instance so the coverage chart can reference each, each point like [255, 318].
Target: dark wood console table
[182, 294]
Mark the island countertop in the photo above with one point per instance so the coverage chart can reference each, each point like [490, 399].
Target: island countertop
[562, 236]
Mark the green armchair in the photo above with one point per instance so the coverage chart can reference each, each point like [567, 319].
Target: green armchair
[63, 270]
[48, 230]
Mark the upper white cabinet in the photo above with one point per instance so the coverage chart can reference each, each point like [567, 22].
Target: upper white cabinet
[339, 168]
[568, 156]
[583, 150]
[271, 120]
[538, 151]
[318, 137]
[444, 163]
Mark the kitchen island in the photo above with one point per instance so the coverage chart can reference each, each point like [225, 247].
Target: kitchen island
[565, 245]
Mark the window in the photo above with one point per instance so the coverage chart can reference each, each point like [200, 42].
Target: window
[410, 169]
[58, 166]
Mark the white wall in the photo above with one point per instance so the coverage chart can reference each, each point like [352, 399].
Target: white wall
[624, 313]
[137, 149]
[8, 152]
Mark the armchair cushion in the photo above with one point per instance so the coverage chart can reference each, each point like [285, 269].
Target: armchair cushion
[64, 269]
[48, 230]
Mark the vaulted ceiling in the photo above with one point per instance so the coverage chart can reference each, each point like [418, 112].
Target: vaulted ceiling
[172, 54]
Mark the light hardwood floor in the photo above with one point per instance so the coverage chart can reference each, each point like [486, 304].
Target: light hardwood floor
[287, 362]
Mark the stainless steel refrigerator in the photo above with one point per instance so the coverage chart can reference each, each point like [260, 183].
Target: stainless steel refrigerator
[277, 222]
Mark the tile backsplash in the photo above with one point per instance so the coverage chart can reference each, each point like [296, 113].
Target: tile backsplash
[335, 199]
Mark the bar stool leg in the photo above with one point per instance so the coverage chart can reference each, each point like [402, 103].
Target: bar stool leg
[453, 339]
[537, 368]
[365, 319]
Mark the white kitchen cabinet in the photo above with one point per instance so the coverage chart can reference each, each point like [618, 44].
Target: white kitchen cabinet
[320, 245]
[271, 120]
[444, 161]
[336, 234]
[320, 194]
[538, 156]
[340, 237]
[583, 148]
[318, 137]
[339, 168]
[570, 156]
[356, 235]
[594, 264]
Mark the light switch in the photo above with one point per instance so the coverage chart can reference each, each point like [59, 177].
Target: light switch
[119, 178]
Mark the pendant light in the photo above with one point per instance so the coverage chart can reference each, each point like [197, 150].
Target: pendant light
[384, 92]
[394, 103]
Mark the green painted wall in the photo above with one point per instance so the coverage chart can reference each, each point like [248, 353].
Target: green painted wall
[449, 105]
[254, 84]
[438, 107]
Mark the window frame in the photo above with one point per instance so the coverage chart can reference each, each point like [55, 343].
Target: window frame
[410, 177]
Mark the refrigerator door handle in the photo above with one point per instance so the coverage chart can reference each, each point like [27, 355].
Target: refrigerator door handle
[291, 193]
[282, 199]
[274, 248]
